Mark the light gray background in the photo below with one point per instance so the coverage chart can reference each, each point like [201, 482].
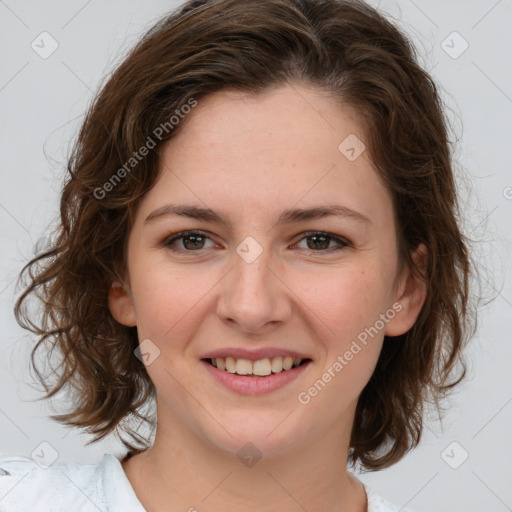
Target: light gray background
[42, 102]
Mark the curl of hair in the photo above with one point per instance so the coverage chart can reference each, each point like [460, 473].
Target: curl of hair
[343, 47]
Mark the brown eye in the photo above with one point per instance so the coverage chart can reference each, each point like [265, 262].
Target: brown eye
[321, 242]
[188, 241]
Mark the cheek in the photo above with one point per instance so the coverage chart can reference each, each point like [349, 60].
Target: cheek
[347, 307]
[168, 298]
[346, 301]
[344, 310]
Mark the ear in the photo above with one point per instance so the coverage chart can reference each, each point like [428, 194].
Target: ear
[410, 295]
[121, 304]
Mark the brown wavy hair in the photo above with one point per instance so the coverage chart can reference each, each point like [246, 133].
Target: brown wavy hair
[363, 60]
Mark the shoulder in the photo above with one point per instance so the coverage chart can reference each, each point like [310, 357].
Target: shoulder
[376, 503]
[24, 485]
[64, 486]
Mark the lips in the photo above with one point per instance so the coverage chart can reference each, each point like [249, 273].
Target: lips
[256, 371]
[252, 384]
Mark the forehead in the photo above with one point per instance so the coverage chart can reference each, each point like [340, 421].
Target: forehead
[269, 151]
[288, 123]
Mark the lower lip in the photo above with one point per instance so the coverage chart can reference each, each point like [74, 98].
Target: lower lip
[254, 385]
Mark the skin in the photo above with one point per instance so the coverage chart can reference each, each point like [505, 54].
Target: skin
[251, 157]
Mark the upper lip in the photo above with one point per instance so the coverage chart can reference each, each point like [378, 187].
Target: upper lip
[253, 355]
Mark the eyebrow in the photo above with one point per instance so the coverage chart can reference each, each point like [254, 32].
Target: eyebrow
[289, 216]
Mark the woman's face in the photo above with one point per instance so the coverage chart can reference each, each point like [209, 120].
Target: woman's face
[271, 275]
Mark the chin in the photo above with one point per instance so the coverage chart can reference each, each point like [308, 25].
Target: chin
[262, 435]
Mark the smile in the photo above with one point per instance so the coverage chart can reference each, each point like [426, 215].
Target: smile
[258, 377]
[259, 368]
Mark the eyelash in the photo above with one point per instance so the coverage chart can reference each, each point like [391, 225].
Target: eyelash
[308, 234]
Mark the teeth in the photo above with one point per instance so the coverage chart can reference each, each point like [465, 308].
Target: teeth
[261, 368]
[287, 362]
[277, 364]
[230, 364]
[243, 367]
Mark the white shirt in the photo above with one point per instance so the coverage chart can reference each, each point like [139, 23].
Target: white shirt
[70, 486]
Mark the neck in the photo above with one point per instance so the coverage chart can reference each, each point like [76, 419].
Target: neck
[183, 470]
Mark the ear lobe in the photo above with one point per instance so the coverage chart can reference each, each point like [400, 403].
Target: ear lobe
[121, 305]
[411, 294]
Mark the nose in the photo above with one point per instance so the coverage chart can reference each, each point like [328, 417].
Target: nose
[254, 296]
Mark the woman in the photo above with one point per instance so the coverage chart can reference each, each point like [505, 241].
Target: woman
[259, 235]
